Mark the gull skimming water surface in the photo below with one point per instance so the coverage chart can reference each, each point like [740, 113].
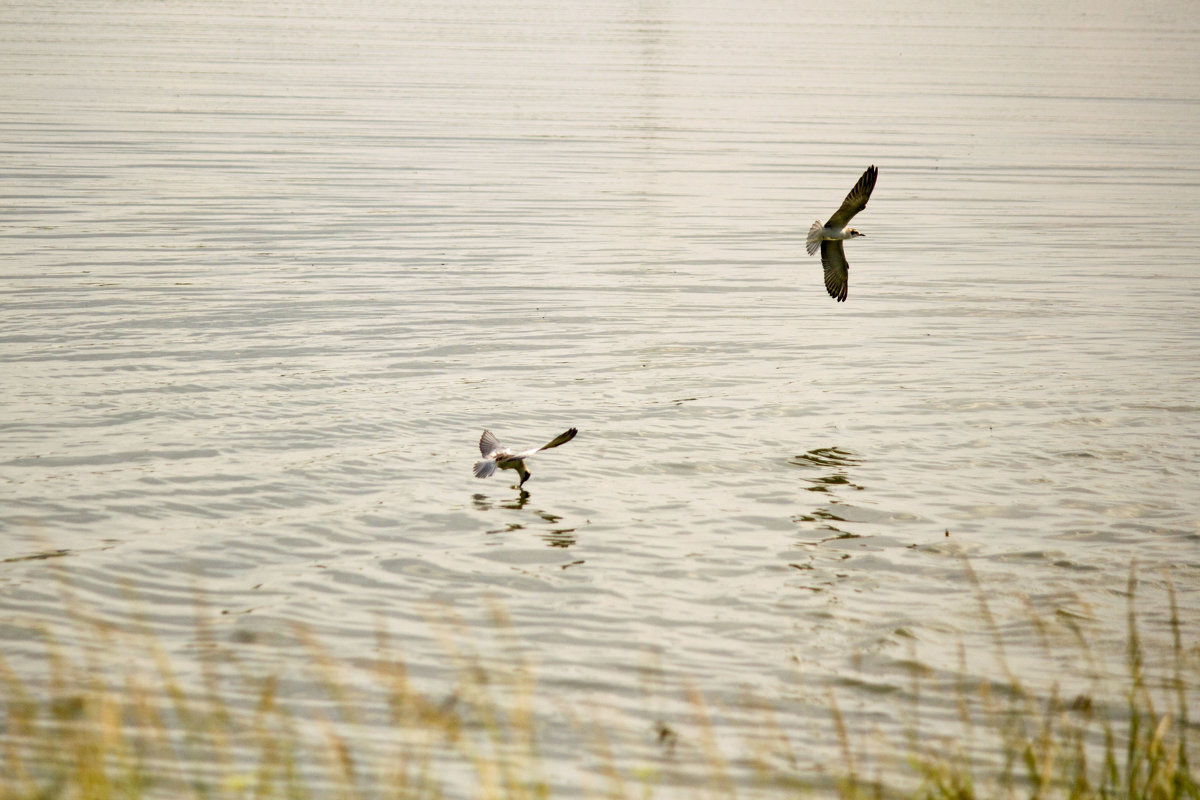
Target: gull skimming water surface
[494, 455]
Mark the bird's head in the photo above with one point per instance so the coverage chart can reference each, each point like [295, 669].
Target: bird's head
[525, 475]
[855, 233]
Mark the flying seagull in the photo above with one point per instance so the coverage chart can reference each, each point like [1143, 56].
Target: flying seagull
[496, 456]
[830, 235]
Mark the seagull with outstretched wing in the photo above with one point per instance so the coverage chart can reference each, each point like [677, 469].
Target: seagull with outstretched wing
[829, 237]
[495, 456]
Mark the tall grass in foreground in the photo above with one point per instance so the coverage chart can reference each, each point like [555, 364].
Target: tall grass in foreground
[108, 714]
[1097, 743]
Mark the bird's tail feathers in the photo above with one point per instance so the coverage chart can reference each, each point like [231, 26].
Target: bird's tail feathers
[484, 469]
[814, 238]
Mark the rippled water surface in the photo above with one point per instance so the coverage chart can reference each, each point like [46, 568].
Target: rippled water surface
[269, 269]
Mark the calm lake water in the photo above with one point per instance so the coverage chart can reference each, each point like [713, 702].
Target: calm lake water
[269, 269]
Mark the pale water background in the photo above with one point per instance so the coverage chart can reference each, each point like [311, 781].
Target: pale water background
[268, 270]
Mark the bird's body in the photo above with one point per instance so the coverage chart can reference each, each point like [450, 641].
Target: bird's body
[496, 456]
[828, 237]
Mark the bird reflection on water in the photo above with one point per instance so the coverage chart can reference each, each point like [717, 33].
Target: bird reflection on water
[483, 504]
[840, 460]
[554, 537]
[836, 463]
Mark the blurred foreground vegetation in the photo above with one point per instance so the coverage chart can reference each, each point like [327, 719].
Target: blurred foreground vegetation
[105, 713]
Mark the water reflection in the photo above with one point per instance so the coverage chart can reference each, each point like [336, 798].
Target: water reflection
[563, 537]
[828, 457]
[835, 463]
[483, 504]
[554, 536]
[42, 556]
